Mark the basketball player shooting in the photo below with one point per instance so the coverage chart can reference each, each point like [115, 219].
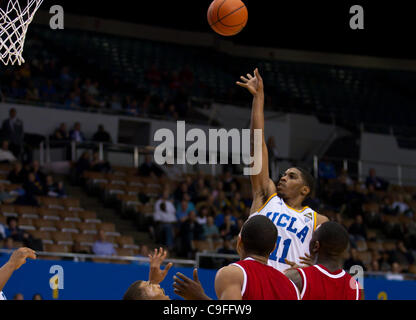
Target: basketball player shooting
[282, 204]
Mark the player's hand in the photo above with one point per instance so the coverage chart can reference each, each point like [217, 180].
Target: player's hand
[293, 265]
[189, 289]
[307, 260]
[252, 84]
[19, 256]
[156, 274]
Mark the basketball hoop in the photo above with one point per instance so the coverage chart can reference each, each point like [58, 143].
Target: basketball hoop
[15, 18]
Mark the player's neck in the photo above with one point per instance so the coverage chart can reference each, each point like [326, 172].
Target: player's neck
[329, 263]
[260, 259]
[294, 203]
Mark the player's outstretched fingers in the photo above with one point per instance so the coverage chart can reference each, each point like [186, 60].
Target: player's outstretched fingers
[196, 278]
[290, 263]
[183, 277]
[244, 79]
[167, 268]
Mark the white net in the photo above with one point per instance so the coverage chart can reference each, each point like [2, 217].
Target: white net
[15, 17]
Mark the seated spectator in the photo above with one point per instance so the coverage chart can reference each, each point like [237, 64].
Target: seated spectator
[384, 261]
[40, 177]
[227, 248]
[189, 230]
[48, 91]
[219, 187]
[345, 179]
[18, 296]
[37, 296]
[149, 167]
[32, 189]
[76, 134]
[353, 260]
[387, 206]
[202, 216]
[221, 201]
[144, 253]
[6, 197]
[2, 231]
[377, 182]
[395, 273]
[83, 164]
[211, 231]
[99, 165]
[73, 100]
[326, 169]
[402, 255]
[13, 229]
[8, 244]
[6, 156]
[227, 181]
[400, 206]
[101, 135]
[357, 230]
[237, 204]
[220, 218]
[54, 189]
[115, 103]
[180, 191]
[77, 248]
[61, 133]
[32, 93]
[228, 228]
[18, 175]
[102, 247]
[165, 218]
[33, 243]
[209, 204]
[190, 205]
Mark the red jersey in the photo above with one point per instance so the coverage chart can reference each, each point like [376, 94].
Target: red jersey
[321, 284]
[263, 282]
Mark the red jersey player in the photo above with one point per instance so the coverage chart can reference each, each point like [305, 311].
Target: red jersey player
[250, 278]
[325, 279]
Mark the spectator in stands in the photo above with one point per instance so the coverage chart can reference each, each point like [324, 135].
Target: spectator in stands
[61, 133]
[353, 260]
[13, 229]
[77, 248]
[102, 247]
[387, 206]
[377, 182]
[189, 230]
[237, 204]
[37, 296]
[227, 248]
[402, 255]
[6, 197]
[18, 175]
[186, 197]
[40, 177]
[149, 168]
[73, 100]
[202, 216]
[396, 269]
[76, 134]
[32, 93]
[8, 244]
[357, 230]
[344, 178]
[144, 253]
[221, 201]
[83, 164]
[400, 206]
[211, 232]
[48, 91]
[6, 156]
[326, 169]
[227, 181]
[209, 204]
[220, 218]
[182, 212]
[2, 232]
[54, 189]
[99, 165]
[180, 191]
[18, 296]
[115, 103]
[218, 188]
[12, 131]
[165, 218]
[384, 261]
[32, 189]
[228, 228]
[31, 242]
[101, 135]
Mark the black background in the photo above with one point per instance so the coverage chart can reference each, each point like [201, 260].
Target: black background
[296, 24]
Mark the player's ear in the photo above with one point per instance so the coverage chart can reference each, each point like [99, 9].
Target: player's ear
[305, 191]
[315, 247]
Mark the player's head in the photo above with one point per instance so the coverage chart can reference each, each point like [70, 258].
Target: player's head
[144, 290]
[330, 240]
[296, 182]
[257, 237]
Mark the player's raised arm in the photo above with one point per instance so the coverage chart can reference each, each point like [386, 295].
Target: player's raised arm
[228, 283]
[17, 259]
[262, 185]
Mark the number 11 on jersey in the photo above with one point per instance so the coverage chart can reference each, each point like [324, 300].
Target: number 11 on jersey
[286, 245]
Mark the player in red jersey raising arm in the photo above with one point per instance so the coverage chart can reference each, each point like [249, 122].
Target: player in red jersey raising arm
[325, 279]
[250, 278]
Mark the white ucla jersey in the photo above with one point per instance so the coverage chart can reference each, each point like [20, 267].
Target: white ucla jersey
[294, 227]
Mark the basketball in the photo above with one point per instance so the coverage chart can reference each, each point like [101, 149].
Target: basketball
[227, 17]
